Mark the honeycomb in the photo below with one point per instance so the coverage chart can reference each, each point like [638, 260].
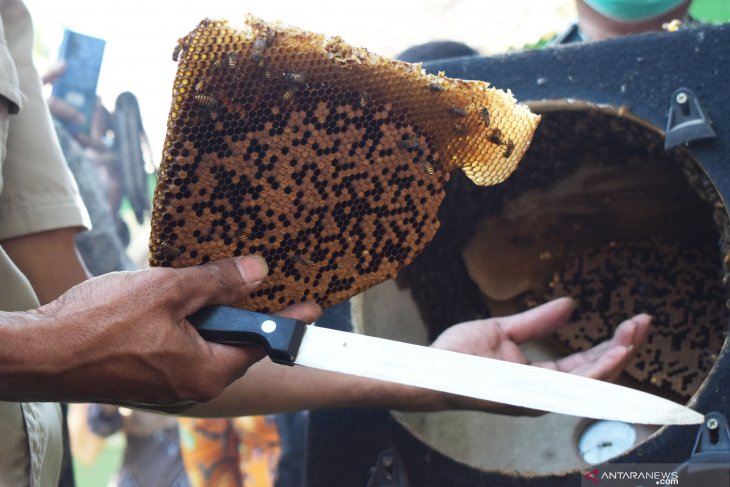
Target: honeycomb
[327, 160]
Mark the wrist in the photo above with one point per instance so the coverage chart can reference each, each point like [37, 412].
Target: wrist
[23, 367]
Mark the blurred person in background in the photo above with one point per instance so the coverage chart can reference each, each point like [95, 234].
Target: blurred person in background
[152, 453]
[92, 164]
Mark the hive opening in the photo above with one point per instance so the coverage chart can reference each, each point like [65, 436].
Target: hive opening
[596, 210]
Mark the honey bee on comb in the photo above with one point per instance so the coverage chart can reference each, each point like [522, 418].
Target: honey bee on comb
[202, 84]
[335, 179]
[509, 147]
[176, 52]
[364, 100]
[297, 79]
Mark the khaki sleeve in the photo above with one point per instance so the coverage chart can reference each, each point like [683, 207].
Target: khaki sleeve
[38, 190]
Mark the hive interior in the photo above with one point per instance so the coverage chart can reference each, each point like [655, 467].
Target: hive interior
[599, 211]
[325, 159]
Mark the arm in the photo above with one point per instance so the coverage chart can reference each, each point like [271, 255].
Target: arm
[124, 338]
[268, 387]
[49, 260]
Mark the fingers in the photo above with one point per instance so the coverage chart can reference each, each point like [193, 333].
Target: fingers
[222, 282]
[537, 322]
[606, 367]
[236, 360]
[239, 359]
[306, 312]
[607, 360]
[53, 74]
[631, 334]
[623, 337]
[643, 324]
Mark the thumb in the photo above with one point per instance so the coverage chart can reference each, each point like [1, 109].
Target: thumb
[221, 282]
[53, 73]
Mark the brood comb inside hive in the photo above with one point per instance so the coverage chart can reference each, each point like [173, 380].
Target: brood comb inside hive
[325, 159]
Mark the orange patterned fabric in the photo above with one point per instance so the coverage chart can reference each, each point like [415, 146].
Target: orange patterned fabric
[230, 452]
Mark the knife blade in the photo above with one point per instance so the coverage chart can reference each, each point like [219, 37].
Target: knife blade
[288, 341]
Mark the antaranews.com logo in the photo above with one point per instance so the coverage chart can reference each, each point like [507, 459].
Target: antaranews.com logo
[656, 474]
[647, 477]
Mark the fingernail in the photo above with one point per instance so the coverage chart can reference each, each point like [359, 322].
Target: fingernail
[630, 348]
[253, 268]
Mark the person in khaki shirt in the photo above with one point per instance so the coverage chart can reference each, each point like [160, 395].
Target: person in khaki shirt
[123, 338]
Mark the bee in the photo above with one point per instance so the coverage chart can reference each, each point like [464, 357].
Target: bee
[300, 259]
[270, 37]
[221, 62]
[176, 51]
[459, 112]
[436, 87]
[213, 110]
[167, 249]
[202, 84]
[364, 100]
[204, 99]
[267, 75]
[259, 44]
[428, 168]
[232, 60]
[508, 149]
[495, 137]
[460, 128]
[261, 63]
[297, 79]
[241, 237]
[289, 94]
[485, 117]
[411, 143]
[211, 105]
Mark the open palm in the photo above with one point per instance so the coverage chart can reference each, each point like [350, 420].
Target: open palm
[500, 338]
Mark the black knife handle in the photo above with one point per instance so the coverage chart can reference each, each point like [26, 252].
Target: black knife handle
[279, 336]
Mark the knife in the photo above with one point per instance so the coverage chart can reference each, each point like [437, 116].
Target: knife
[288, 341]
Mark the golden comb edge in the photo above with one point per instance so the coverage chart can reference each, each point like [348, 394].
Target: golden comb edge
[326, 159]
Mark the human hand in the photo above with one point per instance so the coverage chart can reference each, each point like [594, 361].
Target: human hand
[499, 338]
[59, 108]
[123, 338]
[70, 115]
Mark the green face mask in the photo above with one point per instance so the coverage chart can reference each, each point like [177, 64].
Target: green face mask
[632, 10]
